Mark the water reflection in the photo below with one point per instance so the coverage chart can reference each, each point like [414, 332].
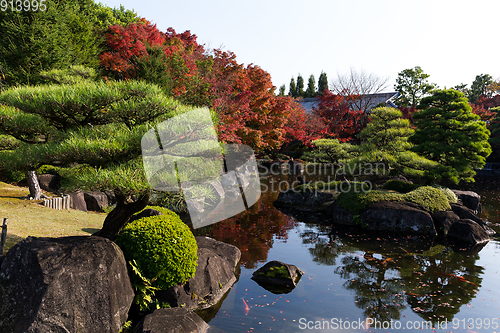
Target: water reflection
[254, 230]
[388, 275]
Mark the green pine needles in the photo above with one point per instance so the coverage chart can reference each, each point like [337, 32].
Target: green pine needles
[450, 134]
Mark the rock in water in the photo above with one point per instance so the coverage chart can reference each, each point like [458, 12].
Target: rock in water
[277, 277]
[68, 284]
[172, 321]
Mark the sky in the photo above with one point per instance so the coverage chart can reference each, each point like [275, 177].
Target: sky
[452, 41]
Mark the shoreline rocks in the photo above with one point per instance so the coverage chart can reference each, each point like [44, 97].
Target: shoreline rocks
[397, 217]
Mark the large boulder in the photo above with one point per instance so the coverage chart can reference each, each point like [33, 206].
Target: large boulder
[213, 277]
[78, 201]
[466, 213]
[49, 182]
[172, 320]
[68, 284]
[468, 232]
[96, 201]
[469, 199]
[443, 221]
[308, 200]
[397, 217]
[340, 215]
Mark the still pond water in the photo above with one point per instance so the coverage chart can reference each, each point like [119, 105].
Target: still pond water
[351, 280]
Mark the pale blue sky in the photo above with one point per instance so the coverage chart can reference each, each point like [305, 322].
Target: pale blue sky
[453, 41]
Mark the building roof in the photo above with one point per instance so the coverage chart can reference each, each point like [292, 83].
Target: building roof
[367, 102]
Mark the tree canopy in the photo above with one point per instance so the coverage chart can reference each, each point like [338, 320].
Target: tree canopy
[412, 85]
[450, 134]
[66, 33]
[92, 131]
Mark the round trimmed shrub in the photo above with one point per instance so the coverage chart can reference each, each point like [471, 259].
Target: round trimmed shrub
[162, 246]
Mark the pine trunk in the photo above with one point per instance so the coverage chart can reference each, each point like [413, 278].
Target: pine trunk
[34, 185]
[119, 217]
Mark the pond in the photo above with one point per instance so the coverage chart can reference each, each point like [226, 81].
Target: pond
[355, 282]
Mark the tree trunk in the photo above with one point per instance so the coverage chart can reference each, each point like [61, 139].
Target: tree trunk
[119, 217]
[34, 186]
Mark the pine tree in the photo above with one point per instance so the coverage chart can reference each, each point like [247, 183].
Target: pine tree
[386, 149]
[282, 90]
[300, 86]
[450, 134]
[311, 87]
[293, 88]
[322, 83]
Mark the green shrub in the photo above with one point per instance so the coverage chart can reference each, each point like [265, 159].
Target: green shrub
[47, 169]
[399, 186]
[160, 243]
[430, 197]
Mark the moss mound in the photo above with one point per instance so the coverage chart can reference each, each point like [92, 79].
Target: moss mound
[162, 246]
[355, 201]
[431, 198]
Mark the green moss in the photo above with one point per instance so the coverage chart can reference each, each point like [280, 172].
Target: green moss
[432, 199]
[399, 186]
[161, 243]
[452, 197]
[355, 201]
[277, 272]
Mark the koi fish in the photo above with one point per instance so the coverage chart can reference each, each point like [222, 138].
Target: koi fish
[461, 278]
[246, 306]
[413, 294]
[386, 261]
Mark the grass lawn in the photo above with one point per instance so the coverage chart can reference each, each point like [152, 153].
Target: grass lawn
[30, 218]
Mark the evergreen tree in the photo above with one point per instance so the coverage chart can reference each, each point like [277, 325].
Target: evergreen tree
[282, 90]
[311, 87]
[65, 33]
[385, 147]
[322, 83]
[412, 85]
[479, 87]
[450, 134]
[293, 88]
[98, 125]
[300, 86]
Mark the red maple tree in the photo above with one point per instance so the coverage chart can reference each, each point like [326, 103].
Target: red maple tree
[340, 121]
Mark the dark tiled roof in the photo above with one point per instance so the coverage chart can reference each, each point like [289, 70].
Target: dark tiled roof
[367, 102]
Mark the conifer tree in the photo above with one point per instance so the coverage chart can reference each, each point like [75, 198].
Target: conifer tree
[311, 87]
[293, 88]
[300, 86]
[450, 134]
[322, 83]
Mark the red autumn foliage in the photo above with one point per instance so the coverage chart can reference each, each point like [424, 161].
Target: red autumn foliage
[126, 42]
[242, 96]
[485, 114]
[340, 121]
[488, 102]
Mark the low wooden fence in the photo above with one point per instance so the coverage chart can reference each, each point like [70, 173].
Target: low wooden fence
[3, 238]
[59, 203]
